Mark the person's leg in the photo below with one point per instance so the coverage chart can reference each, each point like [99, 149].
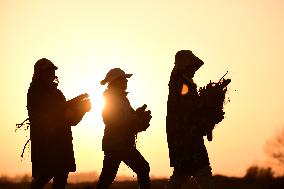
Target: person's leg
[204, 178]
[60, 181]
[177, 179]
[140, 166]
[109, 170]
[39, 182]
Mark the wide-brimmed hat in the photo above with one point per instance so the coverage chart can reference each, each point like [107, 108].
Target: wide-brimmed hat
[114, 74]
[187, 58]
[44, 64]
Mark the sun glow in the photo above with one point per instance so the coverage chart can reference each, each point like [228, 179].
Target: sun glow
[94, 117]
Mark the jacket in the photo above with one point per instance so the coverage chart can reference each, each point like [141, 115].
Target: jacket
[120, 120]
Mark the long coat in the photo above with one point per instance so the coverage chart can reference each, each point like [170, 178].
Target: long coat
[51, 136]
[185, 139]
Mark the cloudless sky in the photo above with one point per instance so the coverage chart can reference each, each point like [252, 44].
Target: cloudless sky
[87, 38]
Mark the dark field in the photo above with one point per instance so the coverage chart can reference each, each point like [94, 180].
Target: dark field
[221, 182]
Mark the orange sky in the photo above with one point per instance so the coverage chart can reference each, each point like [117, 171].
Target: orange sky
[87, 38]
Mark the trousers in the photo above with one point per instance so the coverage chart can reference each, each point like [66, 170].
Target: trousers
[131, 158]
[59, 181]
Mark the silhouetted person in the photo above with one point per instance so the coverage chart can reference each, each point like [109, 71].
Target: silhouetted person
[122, 123]
[51, 118]
[187, 152]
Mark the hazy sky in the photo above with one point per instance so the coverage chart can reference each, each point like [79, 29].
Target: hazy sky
[87, 38]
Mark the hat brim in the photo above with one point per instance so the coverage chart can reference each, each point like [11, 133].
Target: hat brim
[103, 82]
[128, 75]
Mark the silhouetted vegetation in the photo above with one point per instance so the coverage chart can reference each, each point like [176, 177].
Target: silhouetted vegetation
[275, 150]
[259, 173]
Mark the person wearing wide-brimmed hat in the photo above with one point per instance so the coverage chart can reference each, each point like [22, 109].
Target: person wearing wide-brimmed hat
[51, 118]
[122, 123]
[187, 152]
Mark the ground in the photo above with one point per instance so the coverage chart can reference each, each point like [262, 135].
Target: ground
[220, 181]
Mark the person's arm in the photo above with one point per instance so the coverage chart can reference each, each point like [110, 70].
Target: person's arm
[76, 109]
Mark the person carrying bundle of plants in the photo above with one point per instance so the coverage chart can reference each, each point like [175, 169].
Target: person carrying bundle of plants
[189, 118]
